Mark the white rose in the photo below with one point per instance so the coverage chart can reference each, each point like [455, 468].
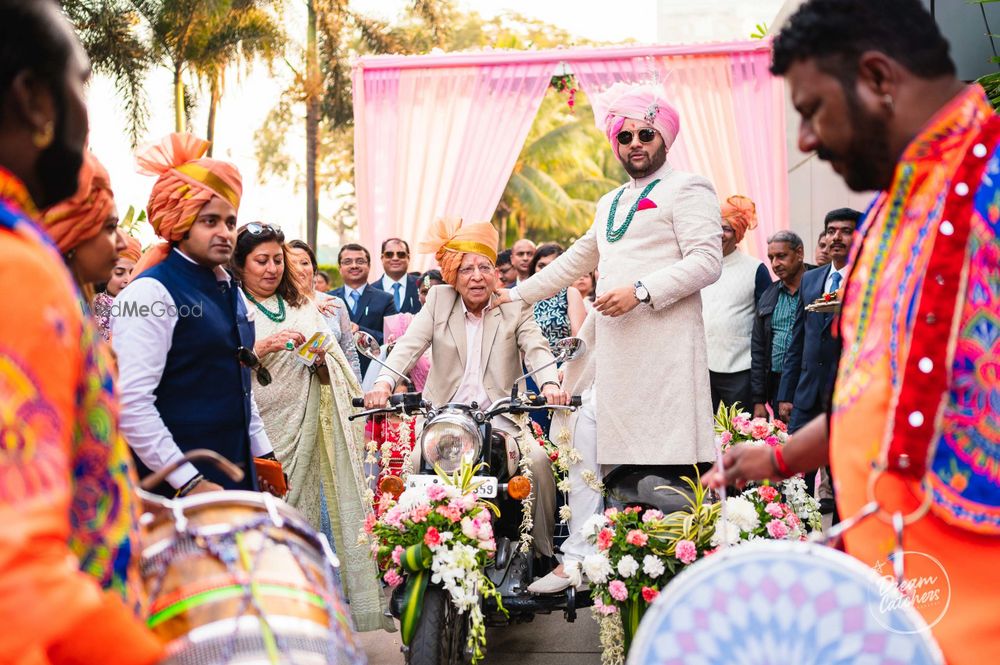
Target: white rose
[597, 567]
[652, 566]
[593, 524]
[627, 566]
[742, 513]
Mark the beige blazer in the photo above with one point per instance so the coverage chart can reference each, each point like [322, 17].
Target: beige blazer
[509, 331]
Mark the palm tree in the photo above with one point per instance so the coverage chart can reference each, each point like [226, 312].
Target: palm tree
[563, 169]
[245, 32]
[107, 31]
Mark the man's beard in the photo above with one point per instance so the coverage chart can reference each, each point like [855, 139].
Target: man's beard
[867, 162]
[58, 167]
[656, 160]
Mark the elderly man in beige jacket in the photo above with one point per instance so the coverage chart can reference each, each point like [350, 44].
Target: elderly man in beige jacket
[476, 347]
[657, 242]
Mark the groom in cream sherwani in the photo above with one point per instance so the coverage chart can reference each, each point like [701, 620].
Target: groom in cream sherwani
[657, 241]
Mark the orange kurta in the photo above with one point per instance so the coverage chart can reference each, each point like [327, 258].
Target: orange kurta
[51, 611]
[953, 564]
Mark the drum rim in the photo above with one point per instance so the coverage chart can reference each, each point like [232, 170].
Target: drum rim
[692, 575]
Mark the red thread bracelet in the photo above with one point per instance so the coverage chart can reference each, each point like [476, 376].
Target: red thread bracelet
[779, 463]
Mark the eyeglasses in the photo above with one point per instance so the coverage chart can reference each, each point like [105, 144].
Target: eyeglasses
[353, 262]
[481, 269]
[395, 255]
[257, 228]
[249, 359]
[646, 135]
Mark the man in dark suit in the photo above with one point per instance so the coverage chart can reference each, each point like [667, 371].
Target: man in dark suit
[813, 355]
[395, 281]
[368, 306]
[774, 320]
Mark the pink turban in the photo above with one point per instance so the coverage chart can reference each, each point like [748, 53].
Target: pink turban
[741, 213]
[638, 102]
[82, 216]
[186, 183]
[450, 239]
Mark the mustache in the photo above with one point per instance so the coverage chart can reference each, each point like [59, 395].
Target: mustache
[825, 154]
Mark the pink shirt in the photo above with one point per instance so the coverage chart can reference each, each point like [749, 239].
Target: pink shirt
[471, 389]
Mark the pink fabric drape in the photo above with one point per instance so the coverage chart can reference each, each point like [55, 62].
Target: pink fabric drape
[438, 142]
[439, 134]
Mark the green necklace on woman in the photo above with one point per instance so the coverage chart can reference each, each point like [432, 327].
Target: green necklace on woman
[278, 316]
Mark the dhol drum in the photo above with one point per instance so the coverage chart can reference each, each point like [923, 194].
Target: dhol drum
[241, 578]
[782, 602]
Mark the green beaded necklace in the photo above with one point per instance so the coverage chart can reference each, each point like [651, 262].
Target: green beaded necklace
[613, 234]
[277, 318]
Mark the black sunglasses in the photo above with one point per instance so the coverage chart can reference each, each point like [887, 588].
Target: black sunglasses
[395, 255]
[646, 135]
[249, 359]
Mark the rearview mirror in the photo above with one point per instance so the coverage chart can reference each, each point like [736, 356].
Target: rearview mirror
[569, 348]
[367, 345]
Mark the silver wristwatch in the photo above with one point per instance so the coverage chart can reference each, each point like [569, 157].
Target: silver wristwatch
[642, 293]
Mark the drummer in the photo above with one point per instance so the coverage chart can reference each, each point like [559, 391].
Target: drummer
[917, 389]
[55, 384]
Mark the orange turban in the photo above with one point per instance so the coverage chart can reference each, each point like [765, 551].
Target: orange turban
[449, 240]
[741, 213]
[186, 183]
[82, 216]
[132, 251]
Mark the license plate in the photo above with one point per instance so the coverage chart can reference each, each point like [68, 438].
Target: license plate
[487, 484]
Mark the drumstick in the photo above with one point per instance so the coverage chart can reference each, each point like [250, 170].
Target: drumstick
[723, 514]
[234, 472]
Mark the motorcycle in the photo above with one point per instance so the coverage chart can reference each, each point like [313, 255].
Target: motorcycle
[453, 433]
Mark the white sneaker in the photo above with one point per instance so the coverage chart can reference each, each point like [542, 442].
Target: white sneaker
[551, 583]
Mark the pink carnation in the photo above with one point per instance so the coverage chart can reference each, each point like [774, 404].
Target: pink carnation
[436, 493]
[772, 441]
[618, 590]
[604, 538]
[767, 493]
[419, 514]
[652, 514]
[611, 512]
[686, 551]
[760, 428]
[780, 425]
[602, 608]
[392, 578]
[432, 538]
[397, 555]
[725, 438]
[649, 594]
[637, 538]
[774, 510]
[450, 513]
[369, 522]
[777, 529]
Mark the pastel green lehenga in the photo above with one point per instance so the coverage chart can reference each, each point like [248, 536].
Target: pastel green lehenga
[322, 452]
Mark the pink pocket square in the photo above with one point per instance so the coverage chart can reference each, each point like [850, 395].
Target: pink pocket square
[646, 204]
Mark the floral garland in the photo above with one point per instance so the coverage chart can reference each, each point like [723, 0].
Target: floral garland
[524, 440]
[565, 83]
[447, 531]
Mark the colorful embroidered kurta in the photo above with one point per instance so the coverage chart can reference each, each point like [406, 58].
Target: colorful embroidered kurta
[953, 549]
[61, 479]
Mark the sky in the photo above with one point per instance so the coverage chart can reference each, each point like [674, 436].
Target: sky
[249, 98]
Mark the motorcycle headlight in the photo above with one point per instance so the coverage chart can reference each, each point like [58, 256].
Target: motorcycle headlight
[449, 438]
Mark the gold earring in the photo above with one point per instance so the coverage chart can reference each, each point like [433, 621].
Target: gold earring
[43, 139]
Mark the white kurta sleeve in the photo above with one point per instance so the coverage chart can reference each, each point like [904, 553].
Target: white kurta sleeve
[141, 343]
[260, 444]
[697, 224]
[580, 259]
